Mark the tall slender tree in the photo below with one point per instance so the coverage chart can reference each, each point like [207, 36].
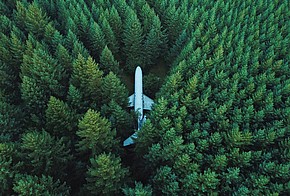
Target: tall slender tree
[108, 62]
[132, 38]
[87, 77]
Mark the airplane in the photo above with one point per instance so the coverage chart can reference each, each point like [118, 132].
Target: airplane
[140, 102]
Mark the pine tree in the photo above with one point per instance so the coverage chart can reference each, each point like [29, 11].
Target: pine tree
[49, 7]
[165, 181]
[60, 119]
[177, 46]
[112, 89]
[139, 189]
[71, 25]
[108, 62]
[132, 38]
[152, 84]
[33, 185]
[5, 24]
[116, 23]
[11, 120]
[172, 24]
[10, 166]
[3, 8]
[147, 16]
[16, 48]
[83, 27]
[146, 137]
[95, 134]
[63, 57]
[8, 83]
[97, 40]
[45, 70]
[52, 37]
[5, 55]
[119, 118]
[95, 10]
[20, 14]
[70, 39]
[43, 154]
[153, 42]
[76, 100]
[35, 20]
[110, 37]
[122, 7]
[79, 48]
[106, 175]
[35, 99]
[87, 77]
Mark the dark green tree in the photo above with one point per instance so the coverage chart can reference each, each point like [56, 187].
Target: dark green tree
[108, 62]
[20, 13]
[52, 37]
[70, 39]
[153, 42]
[116, 23]
[7, 82]
[177, 47]
[172, 23]
[17, 48]
[75, 100]
[138, 190]
[34, 185]
[106, 176]
[44, 154]
[11, 120]
[64, 58]
[35, 20]
[113, 89]
[165, 181]
[35, 99]
[97, 40]
[3, 8]
[121, 6]
[10, 165]
[110, 37]
[41, 77]
[119, 118]
[152, 84]
[60, 119]
[132, 38]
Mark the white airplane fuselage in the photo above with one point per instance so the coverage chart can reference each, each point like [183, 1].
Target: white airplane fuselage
[140, 102]
[138, 96]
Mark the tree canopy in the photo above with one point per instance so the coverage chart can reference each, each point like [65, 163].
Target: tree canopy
[218, 72]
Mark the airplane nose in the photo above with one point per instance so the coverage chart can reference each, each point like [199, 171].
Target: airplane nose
[138, 69]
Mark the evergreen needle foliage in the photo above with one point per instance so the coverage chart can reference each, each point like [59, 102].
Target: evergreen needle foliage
[220, 124]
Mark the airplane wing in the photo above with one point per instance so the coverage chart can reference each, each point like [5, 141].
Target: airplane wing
[131, 101]
[147, 102]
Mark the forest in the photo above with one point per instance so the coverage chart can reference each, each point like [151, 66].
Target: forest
[218, 72]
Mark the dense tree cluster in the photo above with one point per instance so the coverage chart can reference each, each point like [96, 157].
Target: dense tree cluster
[220, 124]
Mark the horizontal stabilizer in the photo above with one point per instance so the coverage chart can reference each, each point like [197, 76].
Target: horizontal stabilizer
[131, 101]
[148, 102]
[130, 140]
